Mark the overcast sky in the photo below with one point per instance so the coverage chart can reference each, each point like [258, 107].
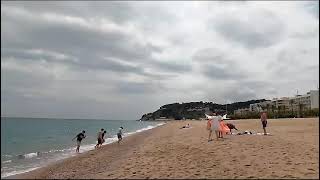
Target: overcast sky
[119, 60]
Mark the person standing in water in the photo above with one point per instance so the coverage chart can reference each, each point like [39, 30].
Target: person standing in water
[79, 137]
[104, 133]
[264, 122]
[119, 134]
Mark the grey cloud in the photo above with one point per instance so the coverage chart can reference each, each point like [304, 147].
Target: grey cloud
[43, 106]
[122, 12]
[238, 94]
[216, 72]
[87, 45]
[210, 55]
[14, 78]
[257, 31]
[253, 84]
[85, 71]
[231, 94]
[75, 40]
[282, 68]
[90, 62]
[172, 66]
[217, 64]
[106, 64]
[35, 55]
[134, 88]
[244, 90]
[119, 12]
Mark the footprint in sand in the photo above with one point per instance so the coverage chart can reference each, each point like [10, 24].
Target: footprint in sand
[311, 169]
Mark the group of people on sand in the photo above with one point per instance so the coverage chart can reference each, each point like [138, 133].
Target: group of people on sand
[216, 124]
[100, 138]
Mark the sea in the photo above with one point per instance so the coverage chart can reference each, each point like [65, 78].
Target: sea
[31, 143]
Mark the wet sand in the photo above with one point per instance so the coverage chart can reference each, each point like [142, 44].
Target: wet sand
[290, 151]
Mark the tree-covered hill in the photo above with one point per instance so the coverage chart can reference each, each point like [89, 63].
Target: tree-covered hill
[195, 110]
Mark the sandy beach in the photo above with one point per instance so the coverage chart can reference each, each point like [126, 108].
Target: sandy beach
[290, 151]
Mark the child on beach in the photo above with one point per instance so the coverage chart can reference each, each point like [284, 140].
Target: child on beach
[79, 137]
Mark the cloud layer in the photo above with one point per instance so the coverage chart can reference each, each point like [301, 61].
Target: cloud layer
[119, 60]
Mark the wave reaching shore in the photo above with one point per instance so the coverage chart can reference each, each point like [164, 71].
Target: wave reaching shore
[17, 163]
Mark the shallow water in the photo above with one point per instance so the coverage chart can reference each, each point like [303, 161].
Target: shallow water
[29, 143]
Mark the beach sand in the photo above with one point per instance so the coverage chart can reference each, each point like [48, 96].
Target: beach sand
[290, 151]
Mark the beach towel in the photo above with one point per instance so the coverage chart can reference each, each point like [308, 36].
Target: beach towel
[262, 134]
[248, 133]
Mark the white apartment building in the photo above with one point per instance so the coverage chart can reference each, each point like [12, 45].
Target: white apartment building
[314, 98]
[305, 102]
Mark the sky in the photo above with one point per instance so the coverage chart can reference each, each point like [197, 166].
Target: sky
[120, 60]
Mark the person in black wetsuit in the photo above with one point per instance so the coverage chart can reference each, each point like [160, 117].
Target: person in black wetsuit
[79, 137]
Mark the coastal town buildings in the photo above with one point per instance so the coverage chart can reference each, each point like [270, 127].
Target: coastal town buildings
[308, 101]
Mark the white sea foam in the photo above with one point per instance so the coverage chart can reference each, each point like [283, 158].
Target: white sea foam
[30, 155]
[9, 161]
[6, 155]
[3, 175]
[68, 152]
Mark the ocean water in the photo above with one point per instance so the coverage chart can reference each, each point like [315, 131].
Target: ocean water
[30, 143]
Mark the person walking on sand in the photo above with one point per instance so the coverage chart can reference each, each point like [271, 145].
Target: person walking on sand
[209, 122]
[264, 122]
[79, 137]
[215, 125]
[99, 138]
[119, 134]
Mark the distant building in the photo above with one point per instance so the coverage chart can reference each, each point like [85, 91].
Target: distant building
[283, 104]
[314, 98]
[299, 102]
[243, 111]
[307, 101]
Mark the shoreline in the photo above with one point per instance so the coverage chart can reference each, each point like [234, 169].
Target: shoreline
[169, 152]
[75, 156]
